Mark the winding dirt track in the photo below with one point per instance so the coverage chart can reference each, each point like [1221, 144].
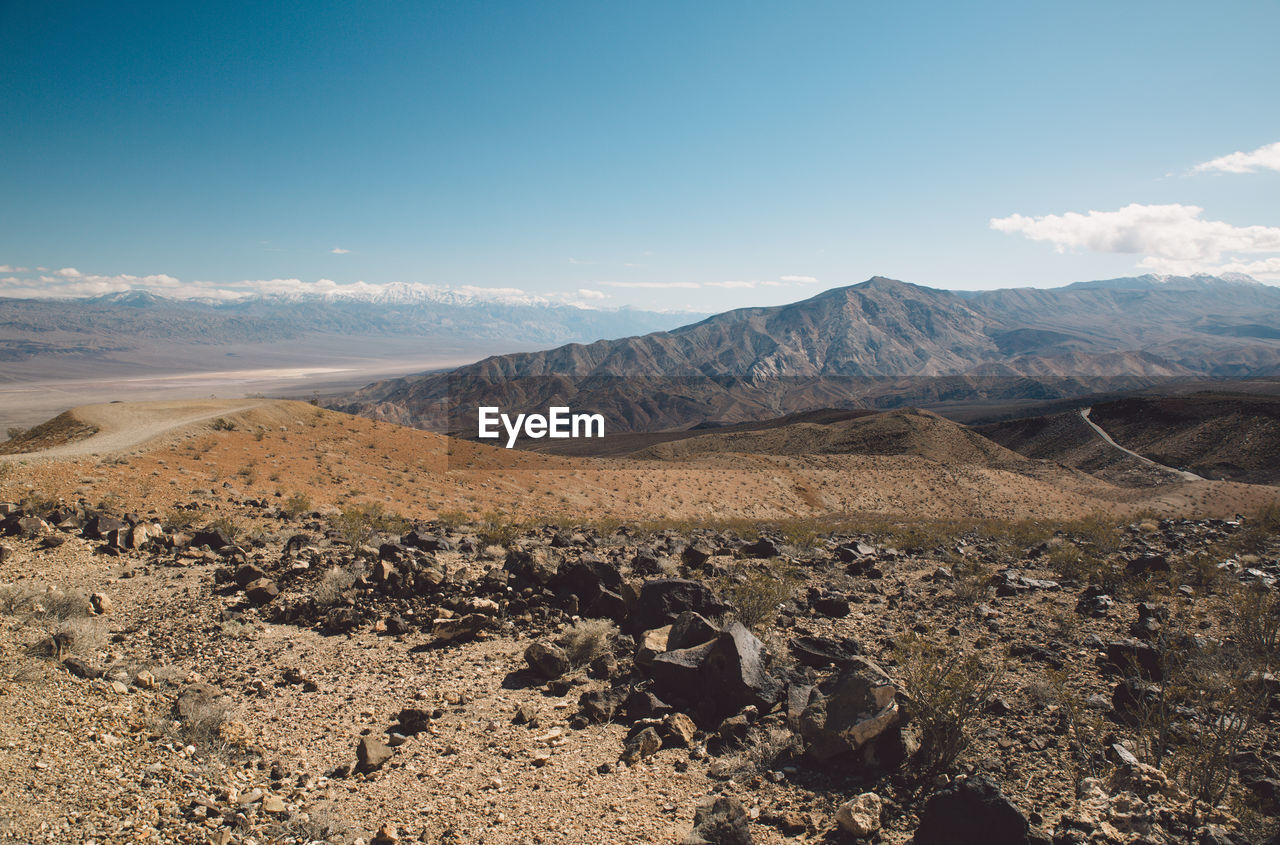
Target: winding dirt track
[1181, 473]
[126, 425]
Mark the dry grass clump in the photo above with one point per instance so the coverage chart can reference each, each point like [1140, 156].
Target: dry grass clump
[587, 639]
[17, 598]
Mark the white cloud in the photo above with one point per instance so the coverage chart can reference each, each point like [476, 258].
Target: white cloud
[732, 284]
[70, 283]
[1263, 158]
[652, 285]
[337, 250]
[8, 268]
[800, 280]
[579, 261]
[1172, 238]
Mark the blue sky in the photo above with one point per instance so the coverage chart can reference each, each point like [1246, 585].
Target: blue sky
[670, 155]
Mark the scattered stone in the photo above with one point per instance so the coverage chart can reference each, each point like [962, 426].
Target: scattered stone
[371, 754]
[100, 603]
[641, 746]
[861, 816]
[261, 591]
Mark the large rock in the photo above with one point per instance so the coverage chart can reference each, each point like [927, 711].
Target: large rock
[597, 585]
[690, 629]
[372, 753]
[720, 677]
[144, 533]
[972, 812]
[547, 659]
[734, 674]
[533, 568]
[213, 536]
[662, 600]
[861, 816]
[1134, 657]
[820, 652]
[460, 628]
[261, 591]
[861, 707]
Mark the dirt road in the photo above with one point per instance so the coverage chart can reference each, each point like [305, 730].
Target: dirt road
[1181, 473]
[126, 425]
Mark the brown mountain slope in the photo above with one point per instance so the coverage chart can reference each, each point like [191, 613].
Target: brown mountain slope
[1227, 437]
[276, 450]
[1223, 437]
[906, 432]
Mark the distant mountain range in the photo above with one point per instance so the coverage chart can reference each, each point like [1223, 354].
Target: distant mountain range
[433, 317]
[881, 343]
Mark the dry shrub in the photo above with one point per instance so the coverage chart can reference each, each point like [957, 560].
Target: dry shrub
[17, 598]
[358, 523]
[946, 691]
[1256, 625]
[972, 580]
[57, 606]
[757, 593]
[295, 505]
[760, 754]
[333, 585]
[588, 639]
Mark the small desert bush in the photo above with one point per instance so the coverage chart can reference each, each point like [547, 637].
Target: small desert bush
[453, 519]
[497, 529]
[228, 525]
[972, 580]
[296, 504]
[359, 522]
[1070, 564]
[222, 424]
[756, 593]
[1101, 534]
[1256, 625]
[333, 586]
[765, 753]
[58, 606]
[947, 689]
[1084, 726]
[588, 639]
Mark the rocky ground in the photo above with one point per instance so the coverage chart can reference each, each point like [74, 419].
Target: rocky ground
[226, 669]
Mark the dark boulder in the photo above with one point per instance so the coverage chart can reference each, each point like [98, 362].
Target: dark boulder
[972, 812]
[663, 599]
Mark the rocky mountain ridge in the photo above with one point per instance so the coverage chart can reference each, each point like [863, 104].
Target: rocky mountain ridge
[881, 343]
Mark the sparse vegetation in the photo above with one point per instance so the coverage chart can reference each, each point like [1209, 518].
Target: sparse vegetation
[333, 585]
[587, 639]
[296, 505]
[358, 523]
[756, 593]
[947, 689]
[222, 424]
